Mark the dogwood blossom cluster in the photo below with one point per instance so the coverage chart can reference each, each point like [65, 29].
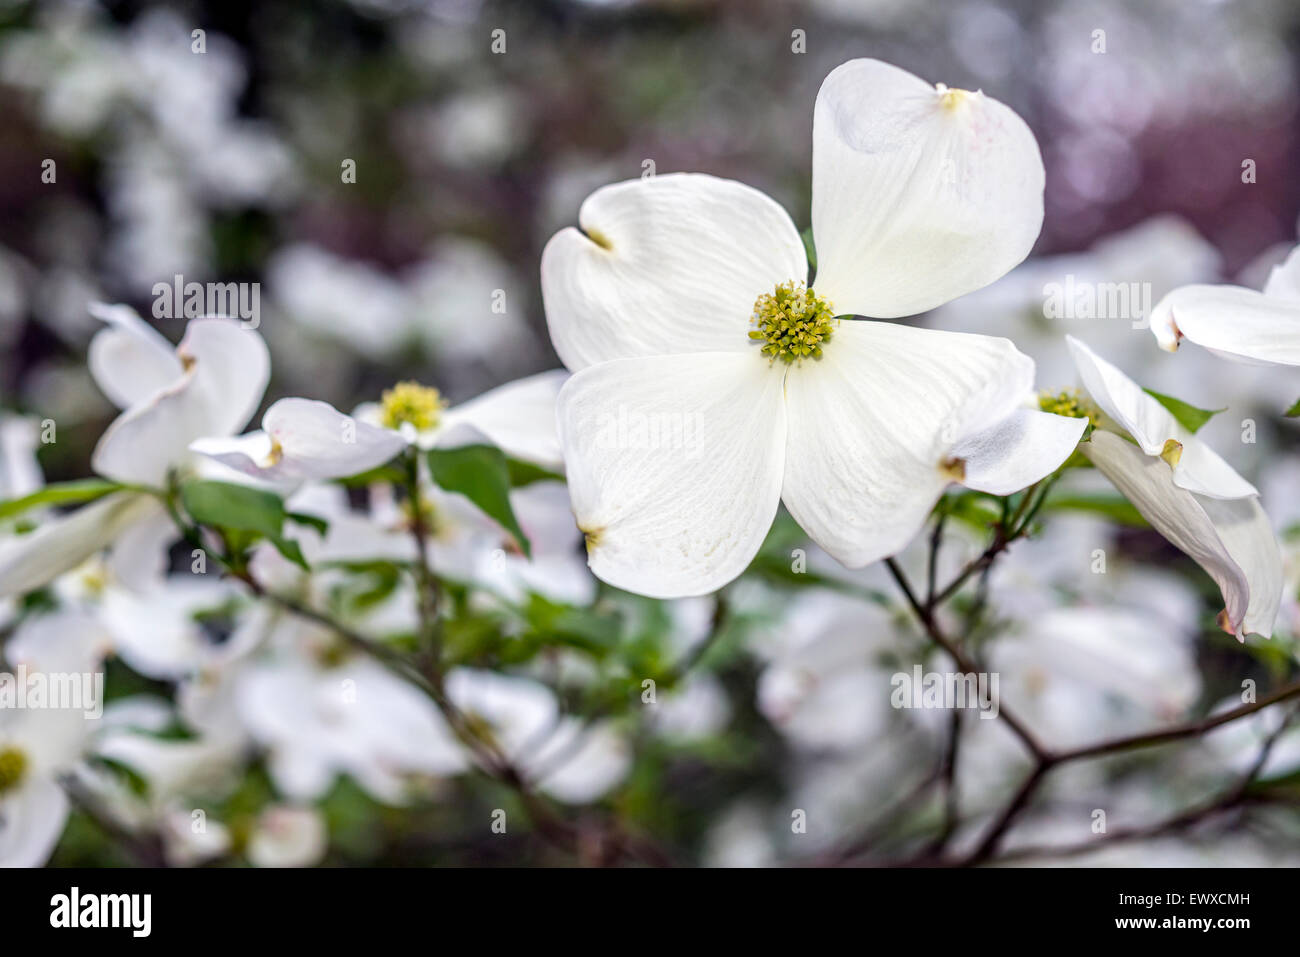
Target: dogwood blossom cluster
[415, 596]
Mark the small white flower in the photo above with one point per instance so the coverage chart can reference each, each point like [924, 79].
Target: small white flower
[1187, 492]
[36, 747]
[571, 761]
[208, 385]
[1233, 322]
[710, 385]
[517, 417]
[317, 721]
[304, 439]
[288, 836]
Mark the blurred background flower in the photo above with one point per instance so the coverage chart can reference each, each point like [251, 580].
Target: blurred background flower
[389, 170]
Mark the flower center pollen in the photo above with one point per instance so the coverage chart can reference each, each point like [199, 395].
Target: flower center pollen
[1069, 404]
[792, 322]
[13, 764]
[951, 99]
[409, 403]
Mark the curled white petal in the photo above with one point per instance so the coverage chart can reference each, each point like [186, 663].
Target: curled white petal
[920, 194]
[1199, 468]
[305, 439]
[1232, 322]
[1232, 540]
[872, 426]
[129, 360]
[1022, 449]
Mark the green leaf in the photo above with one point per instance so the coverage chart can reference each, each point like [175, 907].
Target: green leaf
[555, 623]
[1294, 411]
[241, 508]
[526, 473]
[384, 474]
[1114, 507]
[312, 521]
[60, 493]
[974, 509]
[290, 550]
[810, 247]
[1188, 416]
[482, 475]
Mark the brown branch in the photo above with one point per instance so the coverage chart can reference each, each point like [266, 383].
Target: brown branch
[1045, 760]
[1232, 799]
[966, 664]
[989, 843]
[1178, 732]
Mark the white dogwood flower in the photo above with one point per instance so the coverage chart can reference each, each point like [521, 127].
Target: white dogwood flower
[36, 747]
[1246, 325]
[711, 384]
[208, 385]
[318, 719]
[304, 439]
[1186, 491]
[518, 417]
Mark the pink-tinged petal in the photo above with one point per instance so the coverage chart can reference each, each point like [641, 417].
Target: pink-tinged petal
[920, 195]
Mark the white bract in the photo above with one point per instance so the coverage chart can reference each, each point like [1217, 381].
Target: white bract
[319, 719]
[518, 417]
[304, 439]
[1245, 325]
[1186, 491]
[710, 384]
[208, 385]
[288, 836]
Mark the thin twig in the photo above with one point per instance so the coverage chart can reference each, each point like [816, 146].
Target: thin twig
[964, 663]
[1233, 798]
[1178, 732]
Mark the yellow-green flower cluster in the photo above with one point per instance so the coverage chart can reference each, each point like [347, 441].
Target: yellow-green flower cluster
[1069, 404]
[13, 764]
[409, 403]
[793, 323]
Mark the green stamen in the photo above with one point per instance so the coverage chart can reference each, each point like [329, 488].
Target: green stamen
[1069, 404]
[793, 322]
[409, 403]
[13, 765]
